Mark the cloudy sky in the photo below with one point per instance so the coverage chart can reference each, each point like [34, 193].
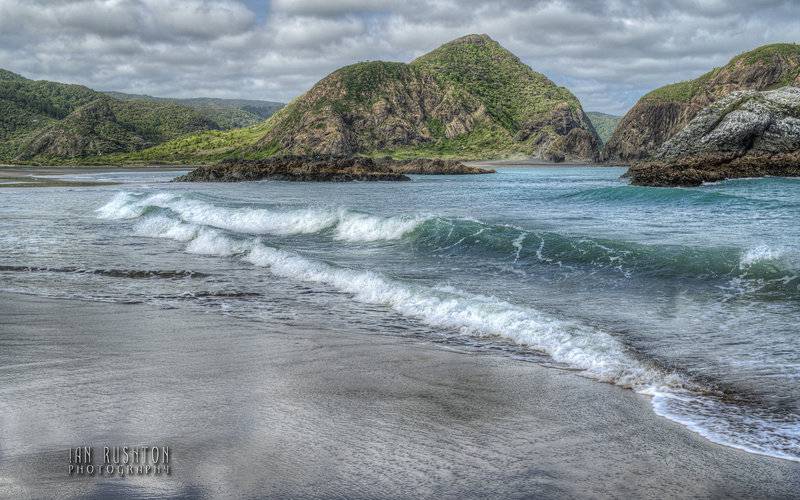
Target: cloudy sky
[609, 53]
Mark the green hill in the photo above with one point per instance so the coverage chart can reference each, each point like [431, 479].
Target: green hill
[227, 113]
[49, 122]
[604, 124]
[665, 111]
[470, 98]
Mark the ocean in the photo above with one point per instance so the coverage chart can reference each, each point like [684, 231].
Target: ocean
[687, 296]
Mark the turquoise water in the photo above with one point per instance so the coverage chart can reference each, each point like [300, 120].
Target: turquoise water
[688, 296]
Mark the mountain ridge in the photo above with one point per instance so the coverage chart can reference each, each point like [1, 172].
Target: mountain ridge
[52, 122]
[468, 99]
[228, 113]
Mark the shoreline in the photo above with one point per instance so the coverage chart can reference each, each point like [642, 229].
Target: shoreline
[321, 412]
[33, 177]
[22, 176]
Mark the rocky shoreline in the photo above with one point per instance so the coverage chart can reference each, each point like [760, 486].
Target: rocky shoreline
[695, 170]
[326, 169]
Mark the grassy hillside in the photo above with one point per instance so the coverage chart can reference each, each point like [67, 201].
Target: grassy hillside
[604, 124]
[511, 91]
[468, 99]
[43, 121]
[765, 55]
[226, 113]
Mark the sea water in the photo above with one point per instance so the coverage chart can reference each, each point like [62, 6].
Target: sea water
[689, 296]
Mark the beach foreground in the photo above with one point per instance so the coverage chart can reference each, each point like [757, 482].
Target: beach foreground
[249, 410]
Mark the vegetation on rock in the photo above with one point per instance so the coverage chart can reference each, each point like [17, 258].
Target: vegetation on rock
[604, 124]
[662, 113]
[226, 113]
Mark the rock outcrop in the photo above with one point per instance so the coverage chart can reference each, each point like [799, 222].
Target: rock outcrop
[664, 112]
[426, 166]
[325, 168]
[745, 134]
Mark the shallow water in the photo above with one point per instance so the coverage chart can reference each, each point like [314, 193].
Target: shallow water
[688, 295]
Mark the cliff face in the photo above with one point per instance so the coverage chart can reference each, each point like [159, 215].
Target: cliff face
[661, 114]
[370, 107]
[744, 134]
[469, 98]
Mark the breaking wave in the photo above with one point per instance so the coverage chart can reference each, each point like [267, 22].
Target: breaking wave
[599, 354]
[772, 273]
[345, 224]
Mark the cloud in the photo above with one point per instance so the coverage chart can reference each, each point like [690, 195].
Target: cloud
[608, 53]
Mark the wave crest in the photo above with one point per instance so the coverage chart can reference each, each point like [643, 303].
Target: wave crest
[346, 225]
[596, 352]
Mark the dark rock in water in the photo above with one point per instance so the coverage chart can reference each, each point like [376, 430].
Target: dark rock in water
[425, 166]
[745, 134]
[294, 168]
[325, 168]
[697, 169]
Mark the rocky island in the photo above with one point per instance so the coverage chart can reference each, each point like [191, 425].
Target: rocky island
[665, 111]
[741, 120]
[325, 168]
[746, 134]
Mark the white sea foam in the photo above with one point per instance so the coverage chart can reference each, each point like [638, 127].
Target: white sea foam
[360, 227]
[760, 253]
[165, 227]
[730, 424]
[347, 225]
[595, 351]
[210, 242]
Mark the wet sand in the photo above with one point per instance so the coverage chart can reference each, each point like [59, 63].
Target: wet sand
[250, 412]
[12, 176]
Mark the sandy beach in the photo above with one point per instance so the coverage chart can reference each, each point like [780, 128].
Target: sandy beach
[20, 176]
[249, 411]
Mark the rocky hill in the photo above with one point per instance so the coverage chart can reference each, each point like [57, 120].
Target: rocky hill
[227, 113]
[470, 98]
[744, 134]
[604, 124]
[42, 121]
[664, 112]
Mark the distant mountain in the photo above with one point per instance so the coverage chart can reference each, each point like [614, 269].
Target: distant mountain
[604, 124]
[470, 98]
[664, 112]
[227, 113]
[47, 121]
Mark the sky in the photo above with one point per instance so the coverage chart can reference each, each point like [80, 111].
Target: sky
[608, 53]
